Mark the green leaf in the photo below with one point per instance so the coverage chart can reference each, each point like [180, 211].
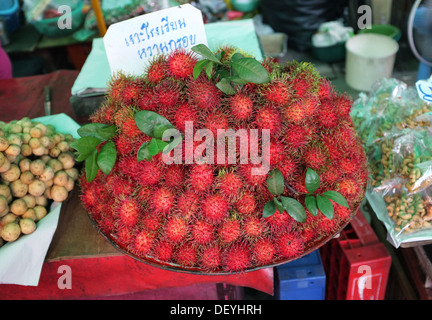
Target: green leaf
[91, 166]
[250, 70]
[294, 208]
[269, 209]
[325, 206]
[159, 130]
[156, 146]
[177, 139]
[225, 86]
[147, 120]
[312, 180]
[237, 56]
[107, 157]
[204, 51]
[85, 146]
[275, 182]
[336, 197]
[143, 152]
[279, 205]
[199, 66]
[98, 130]
[209, 70]
[311, 205]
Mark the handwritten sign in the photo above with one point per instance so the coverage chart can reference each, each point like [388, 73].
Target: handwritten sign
[424, 89]
[132, 43]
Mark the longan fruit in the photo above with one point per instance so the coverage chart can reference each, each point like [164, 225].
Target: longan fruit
[40, 151]
[30, 214]
[47, 174]
[10, 232]
[73, 173]
[13, 150]
[12, 174]
[29, 200]
[55, 165]
[70, 184]
[45, 141]
[15, 128]
[5, 190]
[59, 193]
[67, 159]
[60, 178]
[4, 205]
[36, 132]
[18, 207]
[41, 201]
[34, 143]
[6, 165]
[24, 164]
[10, 217]
[19, 189]
[26, 150]
[36, 188]
[63, 146]
[27, 177]
[2, 158]
[27, 225]
[42, 127]
[40, 212]
[4, 143]
[37, 167]
[54, 152]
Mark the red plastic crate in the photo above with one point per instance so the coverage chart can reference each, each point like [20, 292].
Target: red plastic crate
[356, 263]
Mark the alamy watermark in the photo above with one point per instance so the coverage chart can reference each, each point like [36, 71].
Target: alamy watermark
[65, 20]
[365, 20]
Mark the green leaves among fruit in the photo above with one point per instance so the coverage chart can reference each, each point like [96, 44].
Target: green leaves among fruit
[160, 129]
[92, 136]
[238, 71]
[313, 202]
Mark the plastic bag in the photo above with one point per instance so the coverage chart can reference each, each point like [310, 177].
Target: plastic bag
[36, 10]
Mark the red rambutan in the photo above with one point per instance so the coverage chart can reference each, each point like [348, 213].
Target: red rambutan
[315, 157]
[297, 136]
[188, 204]
[162, 200]
[185, 112]
[229, 230]
[216, 120]
[204, 94]
[276, 92]
[264, 251]
[280, 222]
[174, 176]
[269, 118]
[241, 106]
[246, 205]
[295, 112]
[230, 185]
[214, 208]
[202, 232]
[211, 257]
[157, 69]
[181, 64]
[168, 95]
[128, 210]
[201, 177]
[163, 250]
[254, 227]
[252, 179]
[288, 166]
[143, 242]
[236, 257]
[186, 256]
[176, 229]
[348, 187]
[289, 244]
[328, 116]
[152, 221]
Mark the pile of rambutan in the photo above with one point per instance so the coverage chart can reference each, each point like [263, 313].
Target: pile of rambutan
[209, 217]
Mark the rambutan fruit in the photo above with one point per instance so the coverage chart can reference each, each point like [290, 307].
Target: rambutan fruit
[269, 118]
[229, 230]
[289, 244]
[214, 208]
[157, 69]
[186, 255]
[328, 116]
[246, 204]
[230, 185]
[128, 210]
[181, 63]
[254, 228]
[315, 157]
[348, 187]
[174, 176]
[288, 167]
[186, 112]
[202, 232]
[201, 177]
[143, 242]
[188, 204]
[277, 152]
[276, 92]
[131, 91]
[168, 95]
[216, 120]
[253, 181]
[325, 89]
[147, 100]
[176, 229]
[145, 173]
[152, 221]
[163, 250]
[237, 257]
[343, 104]
[116, 86]
[162, 200]
[295, 112]
[280, 222]
[342, 212]
[119, 185]
[263, 251]
[241, 106]
[123, 237]
[297, 136]
[211, 257]
[204, 94]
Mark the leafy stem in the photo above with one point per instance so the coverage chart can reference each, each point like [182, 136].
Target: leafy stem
[313, 201]
[238, 71]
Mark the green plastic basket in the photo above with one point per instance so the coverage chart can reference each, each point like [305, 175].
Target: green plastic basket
[50, 27]
[384, 29]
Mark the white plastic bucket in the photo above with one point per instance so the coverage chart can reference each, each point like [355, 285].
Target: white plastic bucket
[369, 57]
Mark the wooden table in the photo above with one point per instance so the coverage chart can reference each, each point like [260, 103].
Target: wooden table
[96, 268]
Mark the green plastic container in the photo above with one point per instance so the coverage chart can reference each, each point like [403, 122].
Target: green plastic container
[384, 29]
[332, 53]
[50, 28]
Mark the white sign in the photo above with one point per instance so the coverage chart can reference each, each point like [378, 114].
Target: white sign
[130, 44]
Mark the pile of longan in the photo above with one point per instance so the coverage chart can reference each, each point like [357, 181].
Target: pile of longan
[36, 168]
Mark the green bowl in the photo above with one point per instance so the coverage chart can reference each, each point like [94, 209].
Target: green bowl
[384, 29]
[50, 27]
[332, 53]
